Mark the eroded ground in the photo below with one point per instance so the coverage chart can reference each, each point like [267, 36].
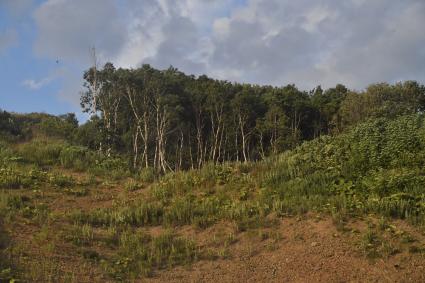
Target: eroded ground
[43, 245]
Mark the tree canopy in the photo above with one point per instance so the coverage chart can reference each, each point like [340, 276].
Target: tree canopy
[168, 120]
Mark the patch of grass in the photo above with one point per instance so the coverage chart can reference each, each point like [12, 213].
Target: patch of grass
[61, 181]
[339, 219]
[373, 244]
[90, 255]
[138, 214]
[78, 192]
[146, 175]
[12, 205]
[7, 270]
[140, 254]
[41, 152]
[407, 238]
[132, 185]
[80, 235]
[13, 177]
[369, 244]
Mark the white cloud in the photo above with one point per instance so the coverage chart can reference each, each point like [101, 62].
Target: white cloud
[34, 84]
[276, 42]
[325, 42]
[69, 29]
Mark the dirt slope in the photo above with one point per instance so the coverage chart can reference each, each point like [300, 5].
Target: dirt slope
[309, 251]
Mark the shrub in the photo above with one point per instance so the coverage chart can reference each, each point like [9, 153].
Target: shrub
[74, 157]
[41, 152]
[375, 167]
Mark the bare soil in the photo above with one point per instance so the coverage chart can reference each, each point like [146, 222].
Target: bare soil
[310, 250]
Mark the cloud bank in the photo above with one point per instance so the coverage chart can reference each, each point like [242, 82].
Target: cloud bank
[354, 42]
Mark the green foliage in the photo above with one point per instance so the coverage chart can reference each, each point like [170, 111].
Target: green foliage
[76, 157]
[375, 167]
[41, 152]
[112, 167]
[60, 127]
[216, 121]
[14, 178]
[10, 130]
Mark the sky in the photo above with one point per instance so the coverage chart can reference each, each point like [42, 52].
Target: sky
[45, 44]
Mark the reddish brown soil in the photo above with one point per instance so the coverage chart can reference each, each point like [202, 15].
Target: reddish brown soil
[309, 251]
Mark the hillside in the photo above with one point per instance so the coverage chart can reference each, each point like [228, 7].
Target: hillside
[348, 207]
[216, 141]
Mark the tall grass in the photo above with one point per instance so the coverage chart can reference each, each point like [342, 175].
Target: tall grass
[140, 254]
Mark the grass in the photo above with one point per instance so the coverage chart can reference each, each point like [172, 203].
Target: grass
[140, 254]
[6, 267]
[132, 185]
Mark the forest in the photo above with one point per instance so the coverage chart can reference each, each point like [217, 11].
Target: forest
[167, 120]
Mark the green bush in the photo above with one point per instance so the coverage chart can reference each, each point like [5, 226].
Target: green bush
[74, 157]
[367, 169]
[41, 152]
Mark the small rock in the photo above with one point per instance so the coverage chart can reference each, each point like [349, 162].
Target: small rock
[314, 244]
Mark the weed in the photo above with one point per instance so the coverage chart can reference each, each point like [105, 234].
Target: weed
[91, 255]
[61, 181]
[147, 175]
[80, 235]
[132, 185]
[140, 254]
[78, 192]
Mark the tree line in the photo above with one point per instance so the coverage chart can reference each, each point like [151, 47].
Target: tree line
[167, 120]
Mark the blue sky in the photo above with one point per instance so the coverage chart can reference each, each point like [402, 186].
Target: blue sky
[306, 42]
[18, 62]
